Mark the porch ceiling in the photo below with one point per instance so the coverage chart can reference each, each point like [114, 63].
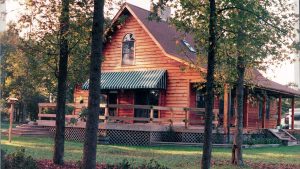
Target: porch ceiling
[150, 79]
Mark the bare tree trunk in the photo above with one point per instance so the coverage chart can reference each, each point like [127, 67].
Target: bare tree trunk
[237, 156]
[58, 157]
[91, 130]
[207, 146]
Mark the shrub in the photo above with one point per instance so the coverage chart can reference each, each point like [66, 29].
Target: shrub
[83, 113]
[125, 164]
[2, 158]
[69, 109]
[18, 160]
[49, 111]
[152, 164]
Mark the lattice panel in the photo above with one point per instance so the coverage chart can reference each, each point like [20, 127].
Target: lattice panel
[74, 134]
[184, 137]
[127, 137]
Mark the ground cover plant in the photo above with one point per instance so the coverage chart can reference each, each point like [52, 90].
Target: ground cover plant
[41, 149]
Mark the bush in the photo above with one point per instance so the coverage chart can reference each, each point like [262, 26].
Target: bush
[2, 158]
[69, 110]
[49, 111]
[83, 113]
[125, 164]
[252, 141]
[18, 160]
[153, 165]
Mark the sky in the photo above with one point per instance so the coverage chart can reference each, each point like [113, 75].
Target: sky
[283, 74]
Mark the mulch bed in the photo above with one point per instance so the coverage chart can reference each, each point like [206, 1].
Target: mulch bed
[48, 164]
[258, 165]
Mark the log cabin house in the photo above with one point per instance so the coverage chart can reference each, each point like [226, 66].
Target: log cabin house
[150, 63]
[144, 62]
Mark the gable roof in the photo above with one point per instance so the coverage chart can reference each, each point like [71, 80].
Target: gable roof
[168, 39]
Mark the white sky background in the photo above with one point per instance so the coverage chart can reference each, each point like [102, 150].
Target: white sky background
[282, 74]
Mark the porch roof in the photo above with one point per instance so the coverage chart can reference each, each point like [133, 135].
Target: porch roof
[150, 79]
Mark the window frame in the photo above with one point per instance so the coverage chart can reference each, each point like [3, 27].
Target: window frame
[122, 51]
[200, 94]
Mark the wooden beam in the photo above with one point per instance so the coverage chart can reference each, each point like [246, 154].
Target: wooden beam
[245, 109]
[225, 114]
[279, 112]
[263, 121]
[293, 113]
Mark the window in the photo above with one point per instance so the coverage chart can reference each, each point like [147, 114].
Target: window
[128, 49]
[200, 99]
[189, 46]
[268, 108]
[260, 108]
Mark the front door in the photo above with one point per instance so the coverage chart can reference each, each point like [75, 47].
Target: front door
[146, 97]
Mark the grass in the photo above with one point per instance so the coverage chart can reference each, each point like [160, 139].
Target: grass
[171, 156]
[5, 125]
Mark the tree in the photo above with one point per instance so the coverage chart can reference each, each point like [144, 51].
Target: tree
[59, 140]
[19, 80]
[195, 17]
[256, 35]
[91, 129]
[212, 42]
[244, 28]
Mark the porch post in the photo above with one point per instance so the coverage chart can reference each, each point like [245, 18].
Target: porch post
[279, 111]
[293, 113]
[225, 114]
[187, 111]
[263, 121]
[106, 114]
[245, 108]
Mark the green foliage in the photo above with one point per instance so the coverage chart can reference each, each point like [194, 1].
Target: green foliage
[125, 164]
[19, 160]
[2, 155]
[253, 141]
[69, 110]
[73, 121]
[175, 157]
[264, 29]
[152, 164]
[83, 113]
[48, 111]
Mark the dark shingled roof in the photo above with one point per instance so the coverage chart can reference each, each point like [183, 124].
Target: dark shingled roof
[170, 40]
[262, 82]
[166, 35]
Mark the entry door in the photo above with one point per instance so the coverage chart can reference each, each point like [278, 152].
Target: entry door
[112, 99]
[141, 98]
[146, 97]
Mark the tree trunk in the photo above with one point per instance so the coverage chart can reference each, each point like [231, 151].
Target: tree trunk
[91, 130]
[62, 85]
[237, 157]
[207, 146]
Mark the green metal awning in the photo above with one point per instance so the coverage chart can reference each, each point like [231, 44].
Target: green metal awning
[151, 79]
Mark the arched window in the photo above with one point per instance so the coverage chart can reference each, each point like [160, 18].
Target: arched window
[128, 49]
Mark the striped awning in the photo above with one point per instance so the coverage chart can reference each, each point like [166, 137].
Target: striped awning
[151, 79]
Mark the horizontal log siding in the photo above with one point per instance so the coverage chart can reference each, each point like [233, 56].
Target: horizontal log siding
[253, 115]
[148, 56]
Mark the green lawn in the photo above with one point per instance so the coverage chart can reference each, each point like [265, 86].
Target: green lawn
[5, 125]
[171, 156]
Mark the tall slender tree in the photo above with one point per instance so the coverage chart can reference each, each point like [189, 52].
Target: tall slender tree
[211, 57]
[91, 130]
[59, 141]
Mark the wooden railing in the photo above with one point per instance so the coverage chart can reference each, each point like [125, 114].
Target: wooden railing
[106, 118]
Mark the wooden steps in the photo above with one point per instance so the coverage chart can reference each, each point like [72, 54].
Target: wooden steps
[286, 138]
[29, 130]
